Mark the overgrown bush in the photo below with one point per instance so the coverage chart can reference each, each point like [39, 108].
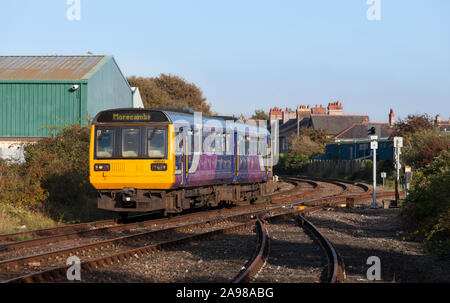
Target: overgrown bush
[423, 146]
[54, 178]
[427, 207]
[18, 187]
[61, 164]
[302, 148]
[290, 164]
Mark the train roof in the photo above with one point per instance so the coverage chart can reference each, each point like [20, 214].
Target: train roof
[172, 115]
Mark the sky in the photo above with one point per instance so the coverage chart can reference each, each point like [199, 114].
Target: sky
[249, 54]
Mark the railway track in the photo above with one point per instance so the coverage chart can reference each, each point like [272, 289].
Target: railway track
[78, 231]
[105, 253]
[72, 230]
[335, 264]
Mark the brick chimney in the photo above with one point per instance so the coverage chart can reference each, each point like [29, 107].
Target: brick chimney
[335, 108]
[438, 119]
[391, 118]
[318, 110]
[303, 111]
[275, 114]
[289, 114]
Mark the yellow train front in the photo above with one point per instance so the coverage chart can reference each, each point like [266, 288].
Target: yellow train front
[167, 160]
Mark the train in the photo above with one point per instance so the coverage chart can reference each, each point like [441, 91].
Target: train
[173, 159]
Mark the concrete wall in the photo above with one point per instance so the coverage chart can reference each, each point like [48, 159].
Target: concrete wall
[12, 150]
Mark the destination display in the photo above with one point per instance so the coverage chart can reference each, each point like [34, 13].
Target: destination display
[131, 116]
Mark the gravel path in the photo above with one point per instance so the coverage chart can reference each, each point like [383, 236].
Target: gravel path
[216, 260]
[363, 232]
[294, 256]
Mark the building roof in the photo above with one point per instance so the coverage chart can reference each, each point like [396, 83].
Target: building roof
[49, 67]
[360, 131]
[334, 124]
[290, 126]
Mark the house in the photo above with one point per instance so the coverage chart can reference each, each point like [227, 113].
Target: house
[444, 125]
[331, 119]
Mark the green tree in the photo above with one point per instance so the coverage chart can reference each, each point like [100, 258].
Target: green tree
[427, 206]
[172, 91]
[260, 114]
[303, 145]
[423, 146]
[316, 135]
[412, 124]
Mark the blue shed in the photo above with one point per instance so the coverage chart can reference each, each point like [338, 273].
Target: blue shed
[357, 149]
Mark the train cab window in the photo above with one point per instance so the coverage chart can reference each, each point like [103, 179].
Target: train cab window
[157, 142]
[105, 143]
[130, 142]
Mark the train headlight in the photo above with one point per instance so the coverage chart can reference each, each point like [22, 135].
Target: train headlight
[159, 167]
[102, 167]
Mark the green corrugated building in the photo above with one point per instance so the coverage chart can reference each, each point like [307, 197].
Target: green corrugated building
[37, 92]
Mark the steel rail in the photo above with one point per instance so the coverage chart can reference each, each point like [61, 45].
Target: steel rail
[21, 262]
[336, 267]
[327, 200]
[58, 273]
[259, 257]
[4, 238]
[82, 230]
[72, 231]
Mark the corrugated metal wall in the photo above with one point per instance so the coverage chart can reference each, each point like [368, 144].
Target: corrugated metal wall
[108, 89]
[27, 108]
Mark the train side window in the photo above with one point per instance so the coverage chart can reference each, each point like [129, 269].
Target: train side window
[196, 141]
[179, 141]
[262, 146]
[191, 140]
[253, 145]
[225, 143]
[242, 144]
[105, 143]
[228, 143]
[247, 144]
[130, 142]
[213, 141]
[219, 142]
[204, 141]
[209, 145]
